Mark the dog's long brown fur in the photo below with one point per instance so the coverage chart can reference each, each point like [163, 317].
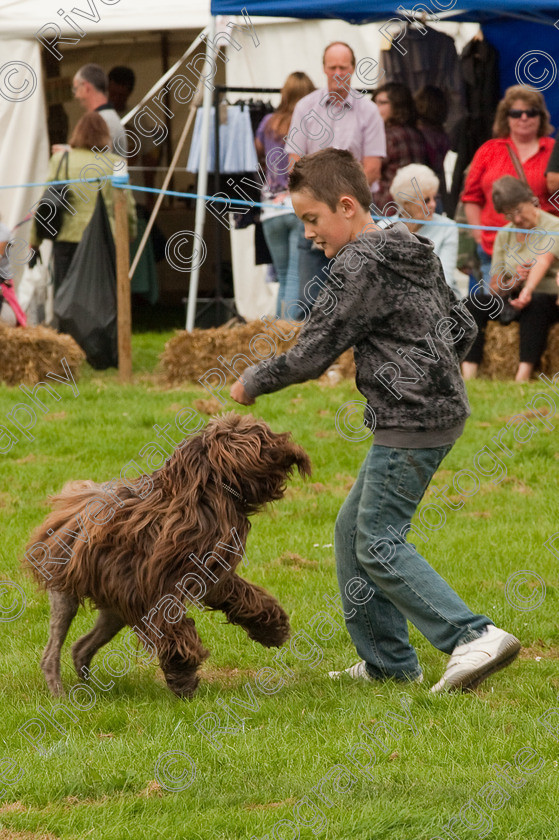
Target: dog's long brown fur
[127, 552]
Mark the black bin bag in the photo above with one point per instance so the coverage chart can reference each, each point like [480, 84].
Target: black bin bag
[85, 303]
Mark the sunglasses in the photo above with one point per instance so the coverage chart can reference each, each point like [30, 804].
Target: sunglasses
[516, 113]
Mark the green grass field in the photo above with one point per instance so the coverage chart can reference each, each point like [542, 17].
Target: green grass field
[133, 761]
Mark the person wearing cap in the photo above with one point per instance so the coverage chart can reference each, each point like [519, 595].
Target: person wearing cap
[527, 261]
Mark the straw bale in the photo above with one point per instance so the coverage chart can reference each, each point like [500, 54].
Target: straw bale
[189, 355]
[27, 354]
[501, 351]
[550, 359]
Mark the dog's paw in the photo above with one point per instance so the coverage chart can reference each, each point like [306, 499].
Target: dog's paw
[81, 660]
[54, 683]
[271, 635]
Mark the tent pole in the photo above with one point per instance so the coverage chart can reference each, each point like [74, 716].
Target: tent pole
[123, 307]
[202, 186]
[164, 77]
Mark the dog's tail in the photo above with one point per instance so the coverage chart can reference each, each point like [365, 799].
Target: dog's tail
[50, 552]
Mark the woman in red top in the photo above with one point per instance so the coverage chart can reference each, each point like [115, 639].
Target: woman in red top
[521, 124]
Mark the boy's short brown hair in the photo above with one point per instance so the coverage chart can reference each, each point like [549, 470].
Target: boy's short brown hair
[329, 174]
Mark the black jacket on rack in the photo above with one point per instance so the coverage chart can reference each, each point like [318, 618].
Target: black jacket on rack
[480, 69]
[430, 59]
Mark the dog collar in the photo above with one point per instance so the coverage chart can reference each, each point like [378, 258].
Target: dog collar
[233, 492]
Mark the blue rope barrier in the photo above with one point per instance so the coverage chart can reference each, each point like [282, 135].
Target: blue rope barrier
[48, 183]
[119, 182]
[376, 218]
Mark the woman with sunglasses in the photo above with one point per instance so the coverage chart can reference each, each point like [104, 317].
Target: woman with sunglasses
[524, 270]
[521, 147]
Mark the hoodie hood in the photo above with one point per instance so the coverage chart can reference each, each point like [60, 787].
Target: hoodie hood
[410, 255]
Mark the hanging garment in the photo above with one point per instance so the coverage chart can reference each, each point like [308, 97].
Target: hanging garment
[258, 110]
[430, 59]
[236, 142]
[480, 68]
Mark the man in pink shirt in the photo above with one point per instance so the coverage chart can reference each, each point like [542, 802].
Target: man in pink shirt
[340, 117]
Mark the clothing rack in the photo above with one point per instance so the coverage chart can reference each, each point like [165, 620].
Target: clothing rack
[223, 304]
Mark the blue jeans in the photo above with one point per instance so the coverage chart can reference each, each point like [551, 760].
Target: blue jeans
[282, 238]
[485, 267]
[370, 558]
[311, 262]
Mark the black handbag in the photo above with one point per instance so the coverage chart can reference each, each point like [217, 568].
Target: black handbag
[508, 313]
[52, 206]
[85, 303]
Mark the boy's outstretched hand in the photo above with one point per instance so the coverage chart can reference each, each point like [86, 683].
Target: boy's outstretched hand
[239, 394]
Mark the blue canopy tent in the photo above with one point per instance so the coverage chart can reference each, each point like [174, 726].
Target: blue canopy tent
[526, 37]
[364, 11]
[514, 27]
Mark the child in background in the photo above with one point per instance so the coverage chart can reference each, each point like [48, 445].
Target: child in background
[409, 335]
[11, 312]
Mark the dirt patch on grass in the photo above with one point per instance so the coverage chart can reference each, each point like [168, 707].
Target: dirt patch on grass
[530, 414]
[71, 801]
[211, 406]
[346, 481]
[518, 485]
[152, 789]
[8, 834]
[26, 458]
[13, 808]
[295, 561]
[540, 650]
[264, 806]
[479, 514]
[227, 675]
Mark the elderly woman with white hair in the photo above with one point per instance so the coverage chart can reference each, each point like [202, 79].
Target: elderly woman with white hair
[415, 188]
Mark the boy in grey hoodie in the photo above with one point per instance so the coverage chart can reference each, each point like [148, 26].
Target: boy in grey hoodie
[385, 295]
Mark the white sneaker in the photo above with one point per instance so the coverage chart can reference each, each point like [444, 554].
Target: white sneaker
[472, 662]
[356, 672]
[359, 672]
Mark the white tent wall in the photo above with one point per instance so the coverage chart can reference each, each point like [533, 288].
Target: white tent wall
[286, 46]
[121, 32]
[23, 18]
[24, 149]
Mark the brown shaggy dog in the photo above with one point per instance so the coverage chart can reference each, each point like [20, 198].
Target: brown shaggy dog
[138, 549]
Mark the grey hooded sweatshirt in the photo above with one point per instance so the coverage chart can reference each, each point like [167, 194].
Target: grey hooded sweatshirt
[385, 295]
